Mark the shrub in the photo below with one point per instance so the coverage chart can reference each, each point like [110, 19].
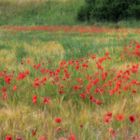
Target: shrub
[110, 10]
[84, 13]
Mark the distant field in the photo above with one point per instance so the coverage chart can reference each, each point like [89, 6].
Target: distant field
[44, 12]
[48, 12]
[86, 42]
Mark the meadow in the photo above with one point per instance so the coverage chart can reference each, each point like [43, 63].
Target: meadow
[62, 79]
[69, 86]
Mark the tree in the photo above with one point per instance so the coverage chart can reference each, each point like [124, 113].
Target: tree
[110, 10]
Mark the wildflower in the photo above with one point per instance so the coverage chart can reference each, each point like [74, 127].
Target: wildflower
[135, 68]
[109, 114]
[58, 120]
[36, 83]
[27, 72]
[72, 137]
[34, 132]
[120, 117]
[34, 99]
[4, 89]
[63, 63]
[37, 66]
[46, 100]
[14, 88]
[83, 95]
[134, 91]
[85, 65]
[98, 102]
[19, 138]
[4, 96]
[42, 138]
[112, 132]
[7, 79]
[21, 76]
[8, 137]
[93, 56]
[79, 80]
[132, 118]
[77, 67]
[108, 117]
[94, 82]
[76, 87]
[104, 75]
[61, 92]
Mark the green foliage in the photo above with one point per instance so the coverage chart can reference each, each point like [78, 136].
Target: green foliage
[110, 10]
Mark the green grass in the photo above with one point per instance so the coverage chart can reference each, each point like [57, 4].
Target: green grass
[20, 53]
[4, 46]
[86, 43]
[39, 13]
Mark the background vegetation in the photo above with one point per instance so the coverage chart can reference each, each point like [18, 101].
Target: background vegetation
[69, 12]
[45, 12]
[110, 10]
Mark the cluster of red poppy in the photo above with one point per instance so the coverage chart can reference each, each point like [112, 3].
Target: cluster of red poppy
[108, 118]
[130, 51]
[85, 78]
[119, 117]
[67, 29]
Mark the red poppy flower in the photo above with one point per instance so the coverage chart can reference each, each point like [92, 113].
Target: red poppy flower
[98, 102]
[8, 137]
[19, 138]
[58, 120]
[34, 132]
[21, 76]
[108, 117]
[4, 89]
[109, 114]
[14, 88]
[85, 65]
[83, 96]
[36, 83]
[7, 79]
[112, 132]
[34, 99]
[104, 75]
[120, 117]
[132, 118]
[46, 100]
[42, 138]
[72, 137]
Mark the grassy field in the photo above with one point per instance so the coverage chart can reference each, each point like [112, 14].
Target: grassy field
[45, 12]
[77, 83]
[69, 86]
[48, 12]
